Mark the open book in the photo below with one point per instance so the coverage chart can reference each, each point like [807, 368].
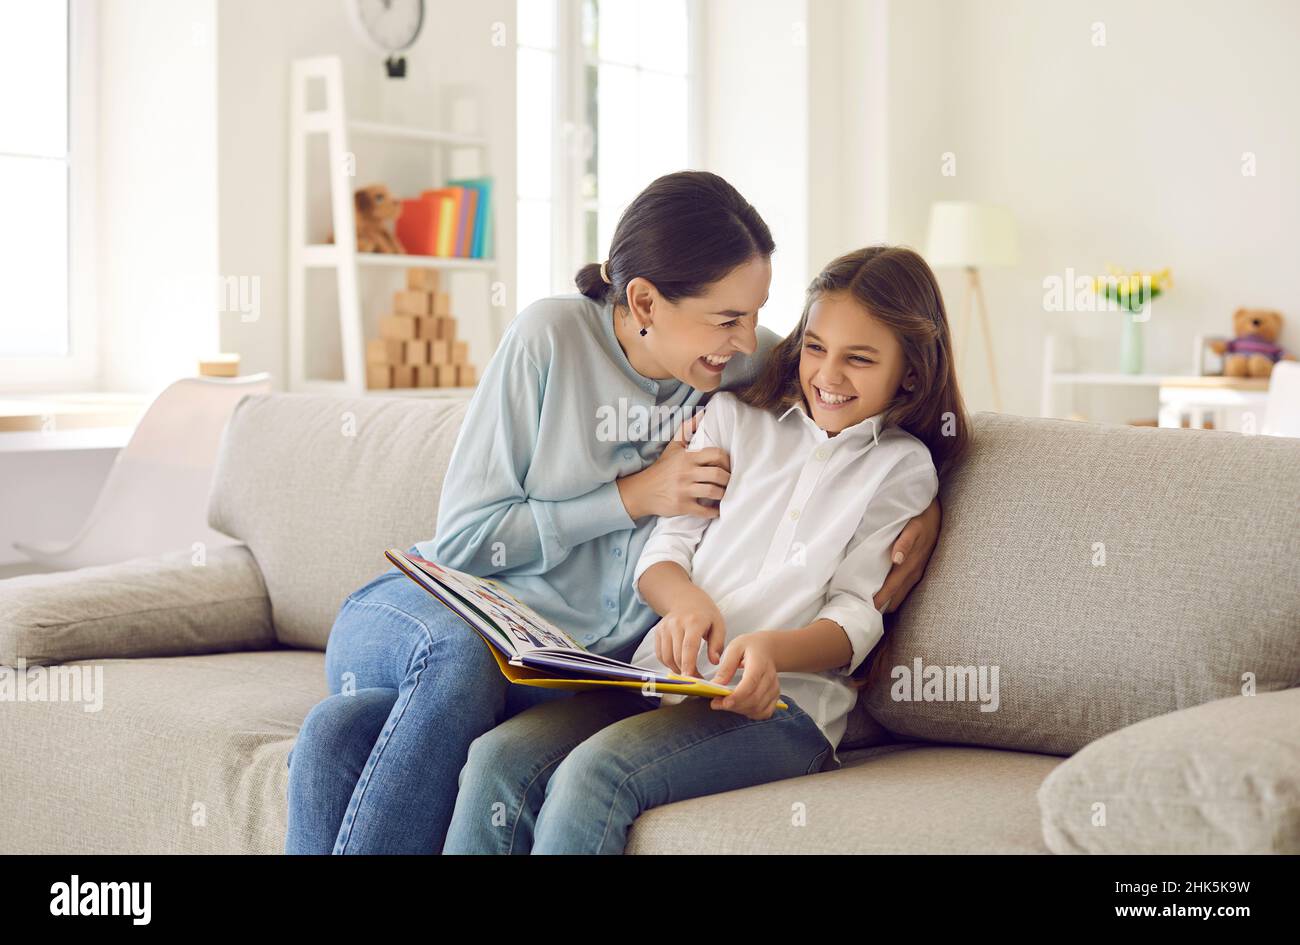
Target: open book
[530, 650]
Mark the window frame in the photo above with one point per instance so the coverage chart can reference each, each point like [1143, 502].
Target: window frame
[79, 368]
[568, 124]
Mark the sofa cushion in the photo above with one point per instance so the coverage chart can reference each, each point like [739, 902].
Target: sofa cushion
[319, 486]
[1222, 777]
[163, 605]
[898, 799]
[863, 731]
[1196, 592]
[185, 755]
[189, 755]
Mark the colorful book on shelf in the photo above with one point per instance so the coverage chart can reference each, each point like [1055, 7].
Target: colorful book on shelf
[487, 248]
[528, 649]
[417, 225]
[480, 246]
[448, 199]
[465, 229]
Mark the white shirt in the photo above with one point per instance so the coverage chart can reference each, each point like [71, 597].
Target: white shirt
[804, 532]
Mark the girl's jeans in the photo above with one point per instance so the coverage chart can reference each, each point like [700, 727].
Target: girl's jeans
[376, 764]
[571, 776]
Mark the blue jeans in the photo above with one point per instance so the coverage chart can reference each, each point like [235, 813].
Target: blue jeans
[376, 764]
[572, 776]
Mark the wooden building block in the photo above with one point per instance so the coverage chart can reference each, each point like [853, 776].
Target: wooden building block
[415, 352]
[444, 327]
[219, 365]
[383, 351]
[441, 304]
[426, 375]
[439, 352]
[403, 375]
[398, 327]
[423, 280]
[379, 376]
[460, 352]
[413, 302]
[446, 375]
[466, 375]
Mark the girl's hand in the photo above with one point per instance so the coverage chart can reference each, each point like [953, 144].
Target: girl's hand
[915, 543]
[675, 482]
[679, 634]
[760, 689]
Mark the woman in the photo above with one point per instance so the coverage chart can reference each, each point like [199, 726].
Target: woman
[549, 497]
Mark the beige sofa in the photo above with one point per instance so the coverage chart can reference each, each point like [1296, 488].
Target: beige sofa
[1126, 585]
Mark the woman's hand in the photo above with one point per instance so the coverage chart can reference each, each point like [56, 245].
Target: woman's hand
[760, 688]
[675, 482]
[679, 634]
[915, 544]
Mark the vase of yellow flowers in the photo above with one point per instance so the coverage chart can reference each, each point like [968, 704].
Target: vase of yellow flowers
[1131, 294]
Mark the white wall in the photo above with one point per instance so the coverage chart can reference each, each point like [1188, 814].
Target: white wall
[1129, 153]
[156, 214]
[848, 127]
[755, 96]
[455, 59]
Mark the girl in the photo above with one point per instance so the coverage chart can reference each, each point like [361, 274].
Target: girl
[832, 450]
[535, 498]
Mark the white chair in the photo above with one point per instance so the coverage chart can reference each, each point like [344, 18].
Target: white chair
[155, 499]
[1282, 415]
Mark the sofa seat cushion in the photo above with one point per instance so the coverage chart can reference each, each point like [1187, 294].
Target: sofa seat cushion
[189, 755]
[186, 755]
[890, 799]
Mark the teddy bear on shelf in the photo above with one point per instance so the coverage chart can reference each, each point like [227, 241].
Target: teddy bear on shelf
[375, 207]
[1254, 350]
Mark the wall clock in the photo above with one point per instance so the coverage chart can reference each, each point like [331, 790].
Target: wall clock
[388, 27]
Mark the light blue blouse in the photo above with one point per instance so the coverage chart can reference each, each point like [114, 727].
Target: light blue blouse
[530, 497]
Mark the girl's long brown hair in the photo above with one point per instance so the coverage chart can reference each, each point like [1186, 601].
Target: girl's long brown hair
[897, 287]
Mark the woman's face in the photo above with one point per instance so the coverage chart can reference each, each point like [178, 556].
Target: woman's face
[694, 338]
[850, 365]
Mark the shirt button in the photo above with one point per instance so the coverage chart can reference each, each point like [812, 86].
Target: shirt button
[609, 604]
[794, 513]
[822, 452]
[628, 454]
[618, 552]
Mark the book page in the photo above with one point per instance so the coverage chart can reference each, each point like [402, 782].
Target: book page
[523, 624]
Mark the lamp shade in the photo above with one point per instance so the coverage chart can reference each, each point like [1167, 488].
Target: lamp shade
[971, 234]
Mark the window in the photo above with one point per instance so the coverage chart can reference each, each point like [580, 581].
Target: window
[605, 105]
[34, 179]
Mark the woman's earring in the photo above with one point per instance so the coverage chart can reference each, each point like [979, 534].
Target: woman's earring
[644, 331]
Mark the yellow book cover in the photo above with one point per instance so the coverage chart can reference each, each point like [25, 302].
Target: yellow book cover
[531, 651]
[447, 225]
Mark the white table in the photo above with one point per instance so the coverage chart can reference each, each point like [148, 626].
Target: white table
[1232, 403]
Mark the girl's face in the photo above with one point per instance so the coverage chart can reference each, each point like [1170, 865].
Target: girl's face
[692, 339]
[850, 366]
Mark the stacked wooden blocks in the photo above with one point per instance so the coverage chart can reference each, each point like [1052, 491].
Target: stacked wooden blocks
[417, 344]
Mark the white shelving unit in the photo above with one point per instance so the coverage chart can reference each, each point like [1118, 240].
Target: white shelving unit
[342, 255]
[1196, 396]
[1052, 378]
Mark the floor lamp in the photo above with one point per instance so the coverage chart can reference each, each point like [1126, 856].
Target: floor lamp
[968, 236]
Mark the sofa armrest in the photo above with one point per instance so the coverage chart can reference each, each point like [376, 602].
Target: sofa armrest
[166, 605]
[1220, 777]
